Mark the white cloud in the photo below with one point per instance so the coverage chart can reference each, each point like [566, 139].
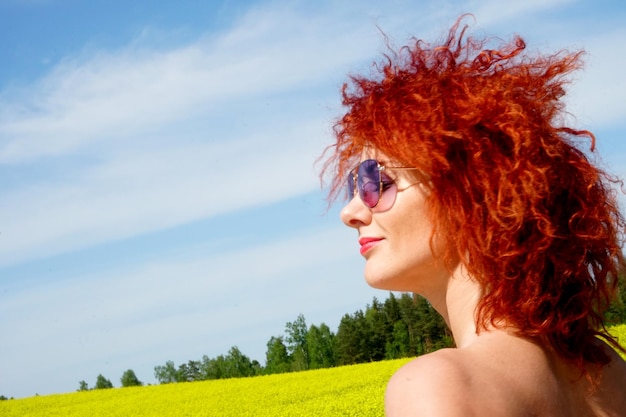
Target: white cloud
[162, 125]
[146, 137]
[135, 193]
[117, 95]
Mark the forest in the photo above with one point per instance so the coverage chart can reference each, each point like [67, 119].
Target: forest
[398, 327]
[403, 325]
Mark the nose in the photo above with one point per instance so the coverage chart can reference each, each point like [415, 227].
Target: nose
[355, 213]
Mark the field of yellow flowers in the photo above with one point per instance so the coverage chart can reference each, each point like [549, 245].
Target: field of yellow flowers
[619, 331]
[355, 390]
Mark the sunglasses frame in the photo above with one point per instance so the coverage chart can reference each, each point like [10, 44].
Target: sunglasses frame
[353, 181]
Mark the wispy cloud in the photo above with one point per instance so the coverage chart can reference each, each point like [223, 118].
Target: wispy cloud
[132, 193]
[161, 126]
[111, 96]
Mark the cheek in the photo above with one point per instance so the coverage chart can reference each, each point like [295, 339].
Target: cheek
[413, 234]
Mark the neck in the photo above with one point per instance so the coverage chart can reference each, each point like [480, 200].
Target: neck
[456, 301]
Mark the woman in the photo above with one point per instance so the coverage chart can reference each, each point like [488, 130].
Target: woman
[467, 187]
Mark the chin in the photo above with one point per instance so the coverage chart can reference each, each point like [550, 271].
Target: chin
[381, 284]
[386, 282]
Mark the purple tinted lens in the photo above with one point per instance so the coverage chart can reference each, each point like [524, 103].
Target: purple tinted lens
[370, 194]
[368, 182]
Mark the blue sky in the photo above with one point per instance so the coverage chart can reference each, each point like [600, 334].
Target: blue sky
[159, 194]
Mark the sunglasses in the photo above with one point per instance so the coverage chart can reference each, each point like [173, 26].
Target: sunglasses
[375, 188]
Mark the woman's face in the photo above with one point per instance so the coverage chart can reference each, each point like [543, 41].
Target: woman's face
[396, 242]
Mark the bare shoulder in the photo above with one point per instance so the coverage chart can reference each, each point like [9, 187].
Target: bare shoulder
[616, 369]
[617, 365]
[433, 384]
[610, 397]
[497, 376]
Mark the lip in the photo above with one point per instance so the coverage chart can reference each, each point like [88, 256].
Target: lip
[368, 243]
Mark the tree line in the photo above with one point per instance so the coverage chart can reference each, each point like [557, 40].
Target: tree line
[401, 326]
[404, 325]
[128, 379]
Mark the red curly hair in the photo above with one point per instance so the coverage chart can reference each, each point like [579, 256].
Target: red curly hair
[534, 221]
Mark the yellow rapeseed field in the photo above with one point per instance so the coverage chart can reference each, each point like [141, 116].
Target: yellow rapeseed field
[619, 331]
[355, 390]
